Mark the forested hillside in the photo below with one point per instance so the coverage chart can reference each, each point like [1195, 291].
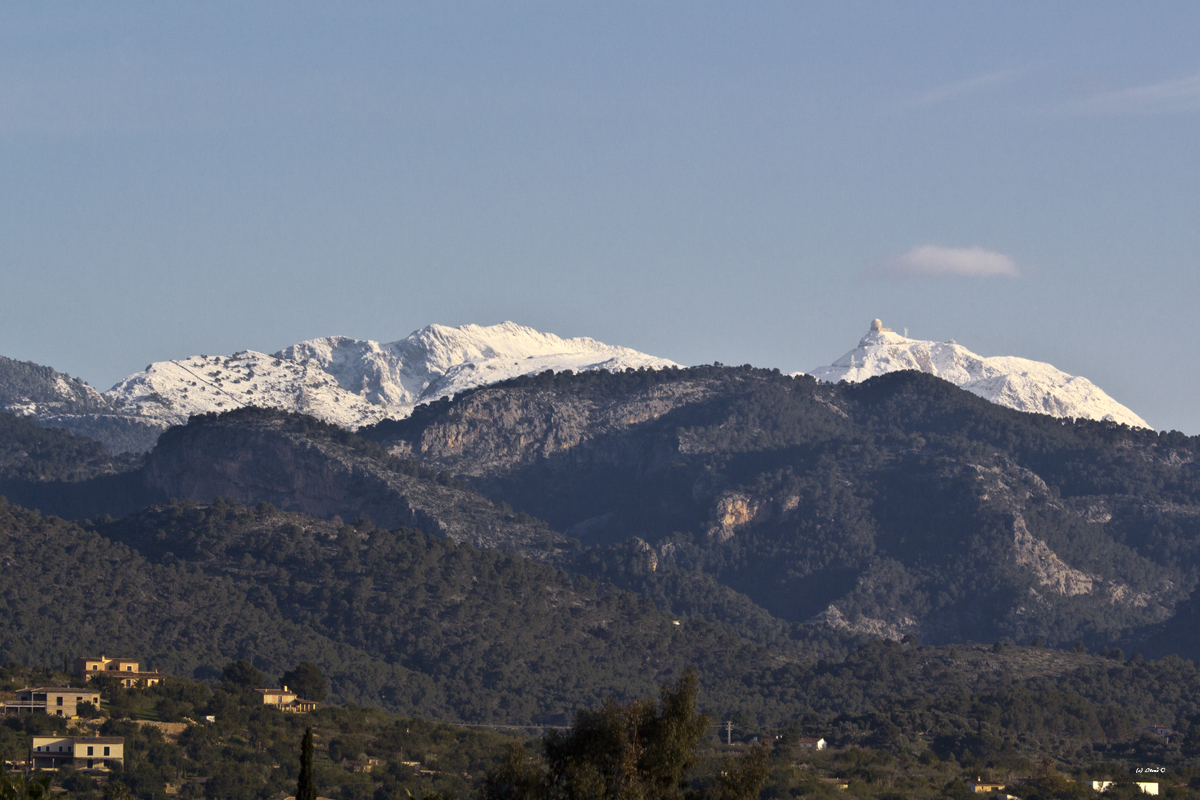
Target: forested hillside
[777, 520]
[398, 619]
[900, 720]
[762, 503]
[899, 505]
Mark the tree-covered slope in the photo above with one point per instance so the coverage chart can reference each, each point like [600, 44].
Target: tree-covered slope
[30, 453]
[899, 505]
[902, 504]
[398, 619]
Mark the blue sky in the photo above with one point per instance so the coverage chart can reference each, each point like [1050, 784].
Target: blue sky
[744, 183]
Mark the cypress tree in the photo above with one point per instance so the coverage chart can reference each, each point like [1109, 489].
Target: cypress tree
[305, 788]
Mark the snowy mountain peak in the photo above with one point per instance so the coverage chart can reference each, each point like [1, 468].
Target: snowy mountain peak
[1008, 381]
[353, 382]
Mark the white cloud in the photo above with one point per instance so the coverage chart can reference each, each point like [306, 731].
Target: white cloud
[965, 88]
[1177, 95]
[933, 261]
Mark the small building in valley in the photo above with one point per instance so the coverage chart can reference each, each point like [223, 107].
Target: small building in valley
[810, 744]
[54, 700]
[80, 752]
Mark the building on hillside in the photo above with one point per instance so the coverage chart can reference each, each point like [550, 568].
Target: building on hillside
[286, 700]
[810, 744]
[127, 670]
[1162, 731]
[57, 701]
[81, 752]
[365, 764]
[1146, 787]
[979, 786]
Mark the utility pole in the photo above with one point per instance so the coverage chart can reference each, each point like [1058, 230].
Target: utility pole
[729, 732]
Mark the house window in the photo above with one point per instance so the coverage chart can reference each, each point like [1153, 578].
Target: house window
[59, 712]
[106, 751]
[90, 764]
[59, 699]
[90, 749]
[95, 666]
[129, 669]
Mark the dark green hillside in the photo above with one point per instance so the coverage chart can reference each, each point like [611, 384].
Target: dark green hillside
[898, 718]
[69, 591]
[66, 474]
[397, 619]
[293, 461]
[899, 505]
[30, 453]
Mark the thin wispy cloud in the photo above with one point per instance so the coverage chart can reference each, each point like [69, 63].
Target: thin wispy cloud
[1169, 96]
[934, 261]
[966, 88]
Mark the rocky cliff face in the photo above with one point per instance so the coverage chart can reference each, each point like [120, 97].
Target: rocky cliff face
[297, 465]
[494, 431]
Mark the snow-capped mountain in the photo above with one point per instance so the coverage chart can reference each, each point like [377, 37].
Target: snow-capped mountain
[351, 383]
[1013, 382]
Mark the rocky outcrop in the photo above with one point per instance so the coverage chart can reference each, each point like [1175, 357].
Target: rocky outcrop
[733, 511]
[864, 625]
[495, 430]
[1050, 571]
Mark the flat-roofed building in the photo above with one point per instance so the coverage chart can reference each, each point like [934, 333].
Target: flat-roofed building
[980, 786]
[127, 670]
[54, 700]
[80, 752]
[286, 700]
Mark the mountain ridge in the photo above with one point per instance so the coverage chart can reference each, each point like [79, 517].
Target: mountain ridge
[354, 383]
[905, 502]
[344, 381]
[1010, 381]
